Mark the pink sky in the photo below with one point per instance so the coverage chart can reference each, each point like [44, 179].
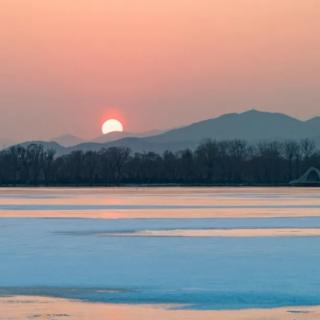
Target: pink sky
[65, 65]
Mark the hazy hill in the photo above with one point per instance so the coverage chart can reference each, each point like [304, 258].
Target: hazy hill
[60, 150]
[136, 145]
[121, 135]
[251, 125]
[67, 140]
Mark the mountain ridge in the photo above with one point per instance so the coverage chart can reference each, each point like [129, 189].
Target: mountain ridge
[251, 125]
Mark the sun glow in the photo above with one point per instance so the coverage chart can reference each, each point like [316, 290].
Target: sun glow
[112, 125]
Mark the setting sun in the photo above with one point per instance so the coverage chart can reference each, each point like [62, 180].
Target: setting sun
[112, 125]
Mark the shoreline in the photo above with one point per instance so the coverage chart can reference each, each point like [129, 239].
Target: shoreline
[35, 307]
[158, 185]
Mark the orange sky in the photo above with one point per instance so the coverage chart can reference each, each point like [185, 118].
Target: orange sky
[65, 64]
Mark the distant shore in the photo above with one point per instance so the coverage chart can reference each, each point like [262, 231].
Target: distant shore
[158, 185]
[33, 307]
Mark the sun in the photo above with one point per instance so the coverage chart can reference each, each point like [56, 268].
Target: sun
[112, 125]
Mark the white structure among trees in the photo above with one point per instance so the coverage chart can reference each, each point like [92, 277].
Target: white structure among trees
[311, 177]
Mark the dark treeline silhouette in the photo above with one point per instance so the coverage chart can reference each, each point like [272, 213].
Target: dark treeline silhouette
[232, 162]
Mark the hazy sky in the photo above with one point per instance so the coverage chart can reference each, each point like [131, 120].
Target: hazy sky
[67, 64]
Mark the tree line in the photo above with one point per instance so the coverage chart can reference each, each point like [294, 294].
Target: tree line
[233, 162]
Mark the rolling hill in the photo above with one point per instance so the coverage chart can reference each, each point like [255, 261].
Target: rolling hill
[67, 140]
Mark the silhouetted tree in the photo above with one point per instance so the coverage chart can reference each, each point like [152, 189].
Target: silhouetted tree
[213, 162]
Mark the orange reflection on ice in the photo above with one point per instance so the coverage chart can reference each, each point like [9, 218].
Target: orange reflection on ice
[165, 202]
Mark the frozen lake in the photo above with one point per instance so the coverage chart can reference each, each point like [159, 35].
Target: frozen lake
[83, 243]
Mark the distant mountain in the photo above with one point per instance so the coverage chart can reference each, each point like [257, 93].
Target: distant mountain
[67, 140]
[251, 125]
[113, 136]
